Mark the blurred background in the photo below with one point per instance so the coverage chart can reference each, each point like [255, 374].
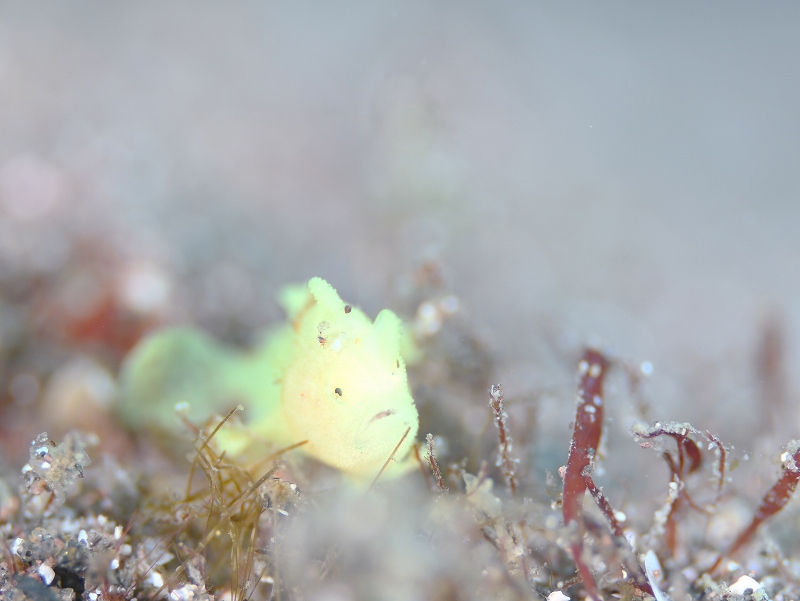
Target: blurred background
[623, 175]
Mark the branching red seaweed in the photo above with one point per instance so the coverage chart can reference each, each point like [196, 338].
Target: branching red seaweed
[585, 440]
[437, 473]
[504, 458]
[578, 479]
[605, 506]
[689, 459]
[776, 499]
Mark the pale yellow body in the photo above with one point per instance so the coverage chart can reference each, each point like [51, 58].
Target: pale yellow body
[331, 377]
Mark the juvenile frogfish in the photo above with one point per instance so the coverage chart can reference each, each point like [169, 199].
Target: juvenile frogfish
[330, 376]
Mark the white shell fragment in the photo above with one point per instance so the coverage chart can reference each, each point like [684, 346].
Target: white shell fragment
[46, 573]
[744, 583]
[652, 567]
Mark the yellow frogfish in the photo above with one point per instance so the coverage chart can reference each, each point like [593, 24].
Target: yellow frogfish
[330, 376]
